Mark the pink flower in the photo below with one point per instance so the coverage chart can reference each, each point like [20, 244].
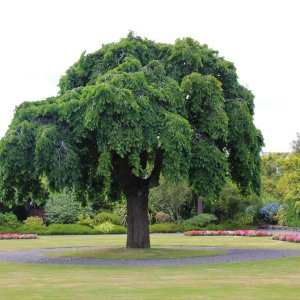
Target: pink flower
[14, 236]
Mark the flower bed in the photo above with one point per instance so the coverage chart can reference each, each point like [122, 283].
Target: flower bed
[249, 233]
[15, 236]
[294, 238]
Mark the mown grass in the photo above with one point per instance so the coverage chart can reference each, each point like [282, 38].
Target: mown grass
[156, 240]
[272, 279]
[132, 254]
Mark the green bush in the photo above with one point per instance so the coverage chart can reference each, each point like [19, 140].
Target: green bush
[109, 228]
[119, 230]
[32, 228]
[62, 209]
[66, 229]
[161, 217]
[200, 221]
[165, 228]
[87, 221]
[106, 217]
[121, 211]
[33, 221]
[4, 229]
[104, 228]
[9, 220]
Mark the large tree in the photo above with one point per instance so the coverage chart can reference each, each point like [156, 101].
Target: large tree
[127, 113]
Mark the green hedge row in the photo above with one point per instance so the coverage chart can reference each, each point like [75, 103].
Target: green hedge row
[74, 229]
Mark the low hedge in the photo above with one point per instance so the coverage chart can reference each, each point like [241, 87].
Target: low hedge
[165, 228]
[63, 229]
[66, 229]
[32, 228]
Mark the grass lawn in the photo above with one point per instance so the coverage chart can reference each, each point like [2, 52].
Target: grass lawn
[131, 254]
[272, 279]
[156, 240]
[277, 279]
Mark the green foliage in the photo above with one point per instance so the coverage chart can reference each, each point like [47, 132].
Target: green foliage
[33, 221]
[62, 209]
[109, 228]
[169, 198]
[120, 210]
[231, 202]
[9, 220]
[161, 217]
[32, 228]
[82, 220]
[281, 181]
[69, 229]
[106, 217]
[165, 228]
[245, 143]
[296, 144]
[200, 221]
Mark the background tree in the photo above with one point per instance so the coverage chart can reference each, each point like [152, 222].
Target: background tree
[296, 144]
[127, 113]
[169, 198]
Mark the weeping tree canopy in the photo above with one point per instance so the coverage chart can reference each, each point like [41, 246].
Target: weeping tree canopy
[127, 113]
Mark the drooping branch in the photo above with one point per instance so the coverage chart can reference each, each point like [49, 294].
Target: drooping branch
[154, 177]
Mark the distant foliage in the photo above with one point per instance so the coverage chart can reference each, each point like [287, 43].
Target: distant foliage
[109, 228]
[268, 212]
[296, 144]
[106, 217]
[161, 217]
[165, 228]
[200, 221]
[62, 209]
[9, 220]
[34, 221]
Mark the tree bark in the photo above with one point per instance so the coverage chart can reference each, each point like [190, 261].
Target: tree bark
[137, 214]
[200, 206]
[136, 190]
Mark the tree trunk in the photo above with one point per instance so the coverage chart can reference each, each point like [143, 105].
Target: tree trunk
[137, 215]
[136, 190]
[200, 206]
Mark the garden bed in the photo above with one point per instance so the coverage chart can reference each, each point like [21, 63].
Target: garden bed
[249, 233]
[15, 236]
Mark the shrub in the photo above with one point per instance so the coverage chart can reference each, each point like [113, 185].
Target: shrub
[200, 221]
[4, 229]
[105, 227]
[268, 212]
[119, 230]
[9, 220]
[87, 221]
[281, 215]
[161, 217]
[34, 221]
[121, 211]
[165, 228]
[292, 213]
[109, 228]
[69, 229]
[32, 228]
[62, 209]
[106, 217]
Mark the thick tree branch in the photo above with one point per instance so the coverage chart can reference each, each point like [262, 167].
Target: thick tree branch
[154, 177]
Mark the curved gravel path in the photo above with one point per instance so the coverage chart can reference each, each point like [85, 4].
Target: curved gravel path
[39, 256]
